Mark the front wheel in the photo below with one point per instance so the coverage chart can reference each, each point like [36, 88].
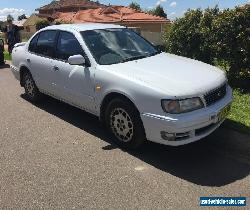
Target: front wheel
[124, 122]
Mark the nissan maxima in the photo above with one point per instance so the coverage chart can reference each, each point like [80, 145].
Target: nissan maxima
[138, 92]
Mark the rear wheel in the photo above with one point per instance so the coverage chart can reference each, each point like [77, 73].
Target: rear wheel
[124, 122]
[30, 87]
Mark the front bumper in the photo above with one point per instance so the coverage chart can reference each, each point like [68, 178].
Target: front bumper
[188, 127]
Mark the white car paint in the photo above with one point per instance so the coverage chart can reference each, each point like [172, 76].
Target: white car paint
[145, 82]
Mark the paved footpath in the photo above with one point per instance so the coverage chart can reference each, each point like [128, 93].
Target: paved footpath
[54, 156]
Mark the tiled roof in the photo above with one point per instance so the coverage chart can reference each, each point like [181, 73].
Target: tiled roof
[111, 14]
[70, 3]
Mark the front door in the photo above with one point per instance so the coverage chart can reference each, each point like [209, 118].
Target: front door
[75, 82]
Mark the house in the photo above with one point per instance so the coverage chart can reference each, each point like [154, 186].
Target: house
[19, 23]
[48, 11]
[82, 11]
[117, 15]
[68, 6]
[150, 26]
[30, 24]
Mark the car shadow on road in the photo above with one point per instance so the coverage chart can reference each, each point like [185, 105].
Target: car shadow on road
[4, 66]
[195, 163]
[237, 126]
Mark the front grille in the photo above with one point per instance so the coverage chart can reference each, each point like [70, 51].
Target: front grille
[215, 95]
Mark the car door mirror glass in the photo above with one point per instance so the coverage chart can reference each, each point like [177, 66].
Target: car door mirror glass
[76, 60]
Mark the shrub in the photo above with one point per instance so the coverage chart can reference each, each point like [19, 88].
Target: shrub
[232, 43]
[185, 36]
[215, 37]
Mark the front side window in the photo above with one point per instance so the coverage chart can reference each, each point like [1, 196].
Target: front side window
[46, 43]
[111, 46]
[67, 46]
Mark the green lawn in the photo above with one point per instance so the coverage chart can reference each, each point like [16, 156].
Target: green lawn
[240, 114]
[7, 56]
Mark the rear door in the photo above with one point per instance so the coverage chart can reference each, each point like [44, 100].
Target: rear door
[40, 60]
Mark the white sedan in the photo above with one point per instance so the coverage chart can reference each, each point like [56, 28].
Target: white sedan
[138, 92]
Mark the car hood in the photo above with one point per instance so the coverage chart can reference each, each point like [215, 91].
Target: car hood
[173, 75]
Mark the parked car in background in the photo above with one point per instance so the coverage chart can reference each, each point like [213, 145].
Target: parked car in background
[138, 92]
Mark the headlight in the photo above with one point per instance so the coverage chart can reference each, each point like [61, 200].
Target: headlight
[181, 106]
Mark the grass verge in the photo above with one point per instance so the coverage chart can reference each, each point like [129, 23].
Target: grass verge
[239, 117]
[7, 56]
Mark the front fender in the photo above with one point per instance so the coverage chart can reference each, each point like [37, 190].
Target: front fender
[145, 98]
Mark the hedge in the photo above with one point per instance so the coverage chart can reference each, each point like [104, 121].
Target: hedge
[216, 37]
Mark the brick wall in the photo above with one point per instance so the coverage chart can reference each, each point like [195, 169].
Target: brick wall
[152, 27]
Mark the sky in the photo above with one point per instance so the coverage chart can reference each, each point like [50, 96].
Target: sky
[173, 8]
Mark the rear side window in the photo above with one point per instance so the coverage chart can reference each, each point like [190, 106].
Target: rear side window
[32, 46]
[46, 43]
[67, 46]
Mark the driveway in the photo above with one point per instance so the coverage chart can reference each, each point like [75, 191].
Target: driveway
[54, 156]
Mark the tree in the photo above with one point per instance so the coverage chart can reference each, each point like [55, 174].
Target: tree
[159, 11]
[10, 17]
[1, 25]
[21, 17]
[135, 6]
[42, 24]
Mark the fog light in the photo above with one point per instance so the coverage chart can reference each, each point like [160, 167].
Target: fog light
[168, 136]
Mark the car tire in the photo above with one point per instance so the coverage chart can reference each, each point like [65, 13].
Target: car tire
[31, 90]
[124, 123]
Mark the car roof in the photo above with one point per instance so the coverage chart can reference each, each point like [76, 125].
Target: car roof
[82, 27]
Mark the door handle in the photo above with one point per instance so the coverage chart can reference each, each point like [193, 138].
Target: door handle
[55, 68]
[28, 60]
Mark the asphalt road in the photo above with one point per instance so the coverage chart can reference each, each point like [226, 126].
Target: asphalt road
[54, 156]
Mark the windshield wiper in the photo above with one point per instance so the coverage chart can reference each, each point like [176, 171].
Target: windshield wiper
[134, 58]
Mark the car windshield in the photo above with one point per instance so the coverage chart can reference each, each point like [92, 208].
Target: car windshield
[112, 46]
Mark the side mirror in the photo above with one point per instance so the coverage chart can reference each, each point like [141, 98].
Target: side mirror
[76, 60]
